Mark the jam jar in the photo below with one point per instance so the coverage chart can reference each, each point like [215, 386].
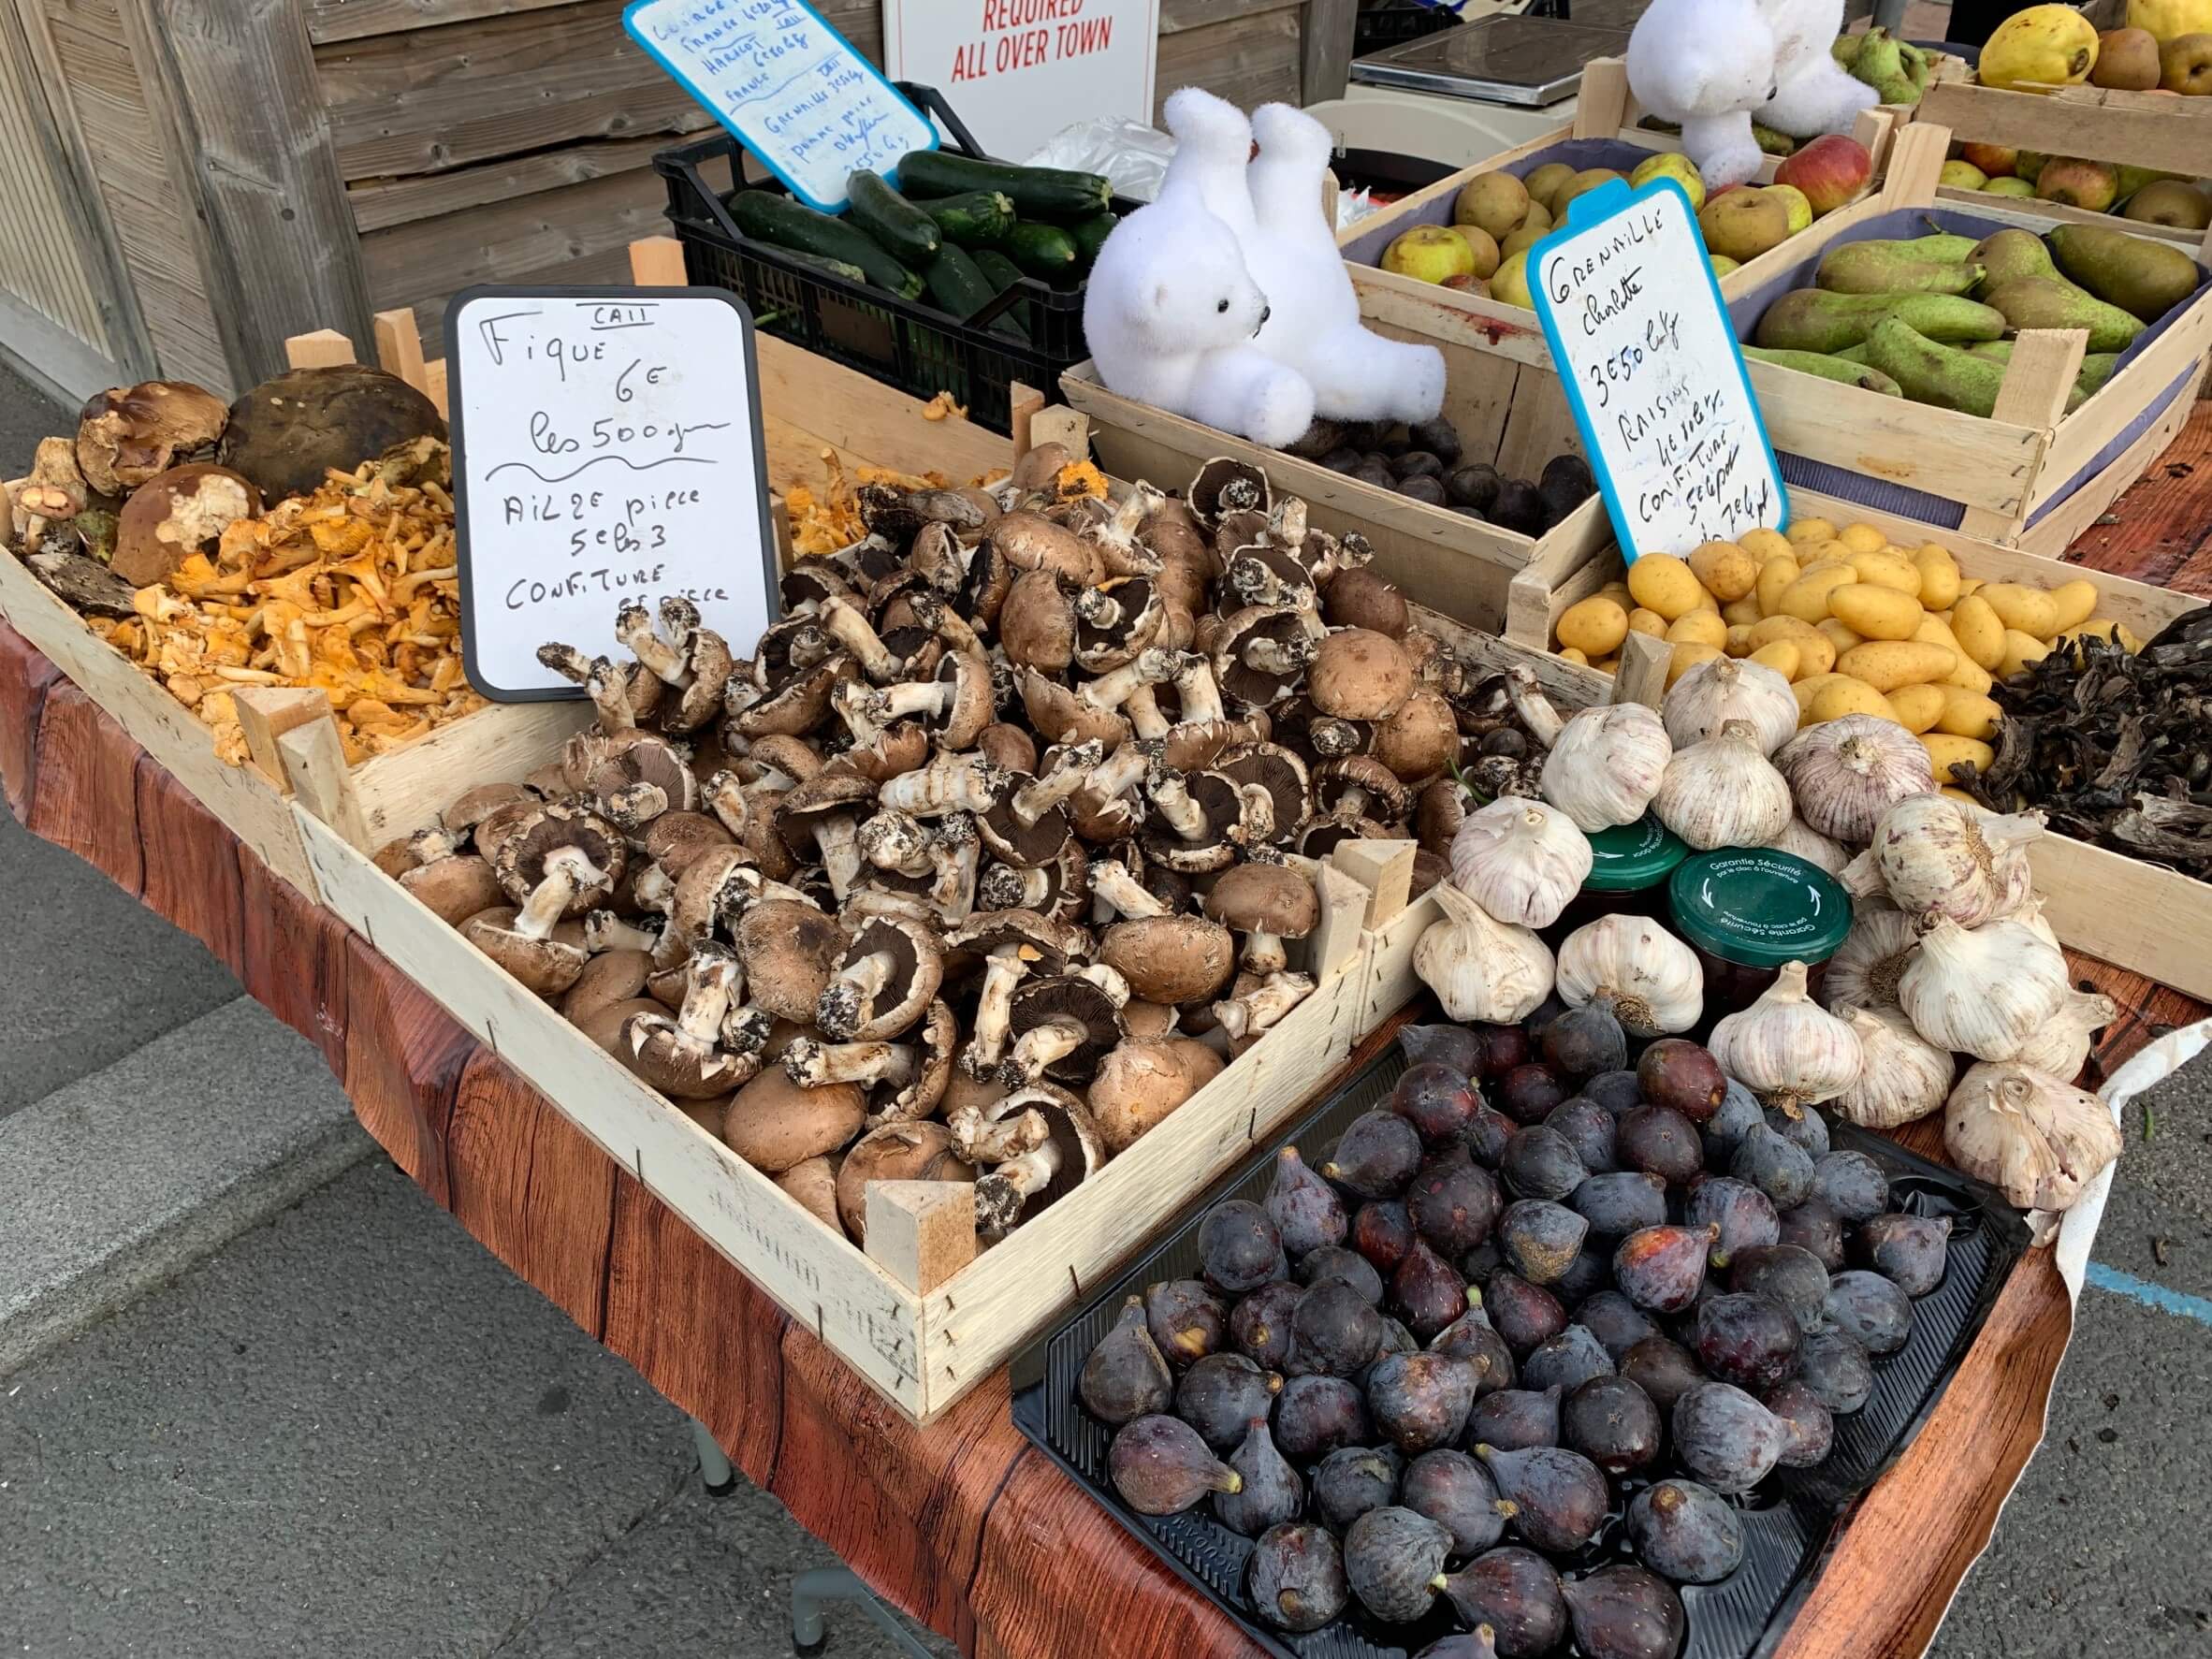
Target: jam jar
[1628, 870]
[1746, 911]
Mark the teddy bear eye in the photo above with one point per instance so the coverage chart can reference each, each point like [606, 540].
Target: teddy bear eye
[1223, 306]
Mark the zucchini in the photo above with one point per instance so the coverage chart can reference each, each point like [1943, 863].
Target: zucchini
[1090, 235]
[1003, 273]
[1042, 250]
[837, 268]
[783, 223]
[901, 230]
[1044, 193]
[973, 220]
[957, 284]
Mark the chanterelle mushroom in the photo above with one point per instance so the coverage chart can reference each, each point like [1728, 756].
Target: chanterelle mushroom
[1022, 1185]
[1267, 903]
[887, 977]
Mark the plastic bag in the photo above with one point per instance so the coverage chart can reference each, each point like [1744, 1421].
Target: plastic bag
[1133, 156]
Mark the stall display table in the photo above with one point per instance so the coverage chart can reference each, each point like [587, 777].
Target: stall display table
[961, 1523]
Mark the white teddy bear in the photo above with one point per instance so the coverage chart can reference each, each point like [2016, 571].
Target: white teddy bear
[1713, 64]
[1171, 310]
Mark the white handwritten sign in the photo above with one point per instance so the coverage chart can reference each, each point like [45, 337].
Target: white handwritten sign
[1653, 372]
[1020, 70]
[789, 86]
[606, 446]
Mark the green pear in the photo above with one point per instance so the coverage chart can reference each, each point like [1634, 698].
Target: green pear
[1928, 372]
[1827, 368]
[1817, 320]
[2139, 275]
[1890, 267]
[2046, 302]
[2012, 256]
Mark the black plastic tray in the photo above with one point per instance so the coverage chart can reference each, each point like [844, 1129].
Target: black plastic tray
[1790, 1523]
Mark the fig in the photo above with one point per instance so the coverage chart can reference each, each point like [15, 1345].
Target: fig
[1612, 1422]
[1910, 1251]
[1528, 1094]
[1222, 1393]
[1484, 1259]
[1486, 1135]
[1334, 1263]
[1543, 1015]
[1353, 1480]
[1377, 1155]
[1185, 1322]
[1625, 1612]
[1453, 1202]
[1470, 1338]
[1685, 1531]
[1438, 436]
[1853, 1183]
[1517, 1595]
[1616, 1091]
[1617, 1322]
[1297, 1579]
[1540, 1238]
[1521, 1313]
[1477, 1643]
[1677, 1073]
[1427, 1291]
[1259, 1325]
[1270, 1493]
[1664, 1369]
[1584, 1041]
[1660, 1140]
[1724, 1129]
[1725, 1438]
[1457, 1048]
[1541, 1163]
[1502, 1049]
[1305, 1208]
[1589, 1130]
[1558, 1497]
[1869, 1308]
[1834, 1368]
[1125, 1378]
[1591, 1272]
[1621, 1202]
[1419, 1400]
[1316, 1415]
[1454, 1490]
[1437, 1100]
[1785, 1275]
[1567, 1360]
[1740, 1215]
[1391, 1557]
[1815, 1228]
[1779, 1167]
[1808, 1129]
[1337, 1329]
[1750, 1341]
[1514, 1419]
[1239, 1249]
[1811, 1430]
[1160, 1466]
[1382, 1231]
[1396, 1339]
[1659, 1268]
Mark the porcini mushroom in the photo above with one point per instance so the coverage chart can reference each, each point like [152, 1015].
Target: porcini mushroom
[1267, 903]
[885, 980]
[1024, 1186]
[128, 434]
[175, 515]
[287, 434]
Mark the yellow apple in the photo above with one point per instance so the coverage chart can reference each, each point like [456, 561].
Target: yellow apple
[1798, 203]
[1668, 165]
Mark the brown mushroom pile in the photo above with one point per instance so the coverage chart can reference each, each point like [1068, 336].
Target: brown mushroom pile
[993, 849]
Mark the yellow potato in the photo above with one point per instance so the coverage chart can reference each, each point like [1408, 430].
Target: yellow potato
[1618, 592]
[1886, 567]
[1935, 630]
[1807, 598]
[1607, 664]
[1763, 544]
[1643, 621]
[2077, 602]
[1699, 628]
[1662, 583]
[1805, 531]
[1944, 752]
[1967, 714]
[1807, 687]
[1738, 641]
[1876, 611]
[1939, 576]
[1782, 656]
[1967, 675]
[1574, 654]
[1687, 657]
[1706, 602]
[1774, 575]
[1838, 635]
[1888, 663]
[1745, 610]
[1830, 558]
[1726, 570]
[1862, 538]
[1976, 628]
[1917, 708]
[1595, 625]
[1970, 585]
[2022, 608]
[1845, 695]
[2102, 628]
[1956, 794]
[2019, 650]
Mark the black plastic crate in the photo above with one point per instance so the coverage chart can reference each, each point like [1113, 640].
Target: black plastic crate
[903, 343]
[1790, 1522]
[1377, 27]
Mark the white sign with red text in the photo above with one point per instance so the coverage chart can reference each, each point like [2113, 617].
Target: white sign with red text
[1017, 71]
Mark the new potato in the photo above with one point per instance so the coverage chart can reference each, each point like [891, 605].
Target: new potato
[1917, 707]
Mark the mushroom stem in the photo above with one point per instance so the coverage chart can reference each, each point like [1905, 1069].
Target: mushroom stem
[565, 661]
[1283, 658]
[930, 697]
[1151, 666]
[947, 624]
[1256, 822]
[1333, 738]
[1011, 887]
[608, 688]
[808, 646]
[991, 1134]
[634, 805]
[1122, 771]
[725, 799]
[428, 846]
[1256, 582]
[1039, 1047]
[896, 841]
[1112, 883]
[948, 783]
[841, 854]
[566, 872]
[1172, 800]
[954, 851]
[999, 1197]
[862, 707]
[1197, 695]
[605, 931]
[634, 627]
[1067, 775]
[1141, 709]
[849, 999]
[1257, 1009]
[1286, 527]
[1263, 954]
[1108, 979]
[1003, 970]
[848, 628]
[1533, 706]
[715, 981]
[1098, 608]
[816, 1064]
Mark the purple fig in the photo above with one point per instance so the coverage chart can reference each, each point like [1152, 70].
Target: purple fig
[1811, 1429]
[1516, 1593]
[1272, 1491]
[1377, 1155]
[1540, 1238]
[1239, 1249]
[1613, 1423]
[1486, 1135]
[1353, 1480]
[1808, 1129]
[1333, 1262]
[1742, 1216]
[1617, 1322]
[1910, 1251]
[1836, 1369]
[1477, 1643]
[1541, 1163]
[1524, 1314]
[1297, 1577]
[1662, 1368]
[1616, 1091]
[1125, 1378]
[1584, 1041]
[1853, 1183]
[1659, 1268]
[1437, 1100]
[1591, 1272]
[1779, 1167]
[1725, 1438]
[1185, 1322]
[1419, 1400]
[1815, 1228]
[1514, 1419]
[1527, 1094]
[1503, 1048]
[1868, 1307]
[1678, 1073]
[1750, 1341]
[1621, 1202]
[1160, 1466]
[1305, 1208]
[1470, 1337]
[1337, 1330]
[1724, 1130]
[1587, 1127]
[1558, 1497]
[1567, 1360]
[1783, 1274]
[1316, 1415]
[1259, 1325]
[1454, 1047]
[1453, 1203]
[1223, 1393]
[1685, 1531]
[1454, 1490]
[1624, 1612]
[1660, 1141]
[1427, 1291]
[1391, 1557]
[1382, 1231]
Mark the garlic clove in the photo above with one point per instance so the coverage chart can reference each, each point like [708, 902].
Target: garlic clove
[1481, 969]
[1651, 980]
[1730, 689]
[1983, 991]
[1723, 792]
[2037, 1140]
[1605, 765]
[1785, 1048]
[1902, 1076]
[1519, 860]
[1846, 773]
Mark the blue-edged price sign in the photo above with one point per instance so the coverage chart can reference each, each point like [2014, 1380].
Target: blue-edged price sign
[789, 86]
[1653, 372]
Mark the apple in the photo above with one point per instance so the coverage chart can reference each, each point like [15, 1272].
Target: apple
[1829, 170]
[1430, 254]
[1670, 165]
[2091, 186]
[1745, 224]
[1722, 265]
[1791, 197]
[1509, 283]
[2018, 189]
[1995, 160]
[1962, 175]
[2185, 66]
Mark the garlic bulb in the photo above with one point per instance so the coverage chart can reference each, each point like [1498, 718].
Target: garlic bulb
[2035, 1138]
[1902, 1076]
[1480, 968]
[1785, 1048]
[1652, 982]
[1847, 773]
[1519, 860]
[1730, 689]
[1873, 956]
[1801, 840]
[1983, 991]
[2061, 1044]
[1606, 765]
[1942, 857]
[2030, 915]
[1722, 792]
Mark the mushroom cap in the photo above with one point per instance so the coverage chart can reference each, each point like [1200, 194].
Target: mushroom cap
[1217, 798]
[1144, 1019]
[1363, 598]
[897, 748]
[1429, 868]
[647, 758]
[1100, 649]
[701, 700]
[972, 704]
[497, 827]
[894, 1152]
[543, 967]
[1171, 959]
[795, 706]
[1049, 945]
[795, 757]
[1421, 739]
[1243, 684]
[813, 1182]
[831, 793]
[1265, 899]
[520, 862]
[1060, 716]
[1279, 772]
[1036, 624]
[1069, 1130]
[676, 839]
[174, 514]
[1438, 814]
[774, 1123]
[1235, 531]
[680, 1067]
[604, 1026]
[286, 432]
[1026, 845]
[1140, 1082]
[693, 908]
[471, 807]
[611, 977]
[128, 434]
[790, 949]
[1226, 485]
[1031, 542]
[1008, 747]
[455, 887]
[917, 970]
[1359, 675]
[939, 1037]
[1049, 998]
[809, 582]
[1335, 778]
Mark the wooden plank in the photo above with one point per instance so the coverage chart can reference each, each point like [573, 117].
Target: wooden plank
[379, 204]
[1250, 60]
[294, 957]
[313, 758]
[2137, 130]
[658, 262]
[402, 1059]
[265, 713]
[2038, 380]
[90, 808]
[2142, 916]
[399, 346]
[2082, 435]
[1178, 15]
[1642, 675]
[27, 674]
[816, 404]
[921, 1233]
[190, 874]
[354, 19]
[402, 792]
[319, 348]
[2033, 213]
[1325, 61]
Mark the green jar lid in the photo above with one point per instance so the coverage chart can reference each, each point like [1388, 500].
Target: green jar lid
[1759, 908]
[1633, 857]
